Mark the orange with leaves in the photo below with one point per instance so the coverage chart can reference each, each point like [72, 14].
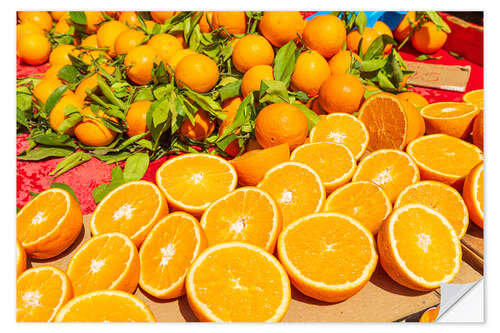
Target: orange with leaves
[342, 61]
[311, 70]
[404, 28]
[198, 72]
[41, 19]
[92, 132]
[60, 55]
[56, 116]
[94, 18]
[341, 93]
[129, 18]
[252, 78]
[428, 38]
[281, 27]
[325, 34]
[250, 51]
[33, 49]
[165, 45]
[200, 129]
[205, 22]
[46, 87]
[161, 17]
[136, 117]
[139, 62]
[127, 40]
[231, 22]
[108, 33]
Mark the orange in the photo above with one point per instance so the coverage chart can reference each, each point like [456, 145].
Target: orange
[313, 250]
[477, 130]
[314, 105]
[341, 62]
[177, 57]
[391, 121]
[333, 162]
[62, 25]
[280, 123]
[94, 18]
[27, 28]
[414, 98]
[46, 87]
[41, 19]
[352, 41]
[341, 93]
[132, 209]
[92, 132]
[343, 129]
[281, 27]
[165, 45]
[247, 215]
[311, 70]
[51, 73]
[57, 15]
[325, 34]
[404, 28]
[253, 78]
[392, 170]
[252, 166]
[89, 82]
[237, 282]
[90, 40]
[452, 118]
[161, 17]
[48, 224]
[418, 248]
[230, 107]
[166, 254]
[139, 62]
[33, 49]
[296, 188]
[201, 129]
[129, 18]
[191, 182]
[364, 201]
[106, 261]
[41, 292]
[473, 194]
[198, 72]
[56, 116]
[369, 35]
[428, 38]
[252, 50]
[105, 306]
[127, 40]
[108, 33]
[444, 158]
[20, 259]
[442, 198]
[205, 22]
[475, 97]
[231, 22]
[430, 315]
[60, 55]
[136, 117]
[180, 38]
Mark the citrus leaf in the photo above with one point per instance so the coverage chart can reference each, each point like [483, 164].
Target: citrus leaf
[312, 117]
[438, 21]
[54, 98]
[78, 17]
[69, 74]
[70, 162]
[102, 190]
[273, 92]
[424, 57]
[229, 90]
[44, 152]
[372, 65]
[360, 21]
[284, 62]
[135, 167]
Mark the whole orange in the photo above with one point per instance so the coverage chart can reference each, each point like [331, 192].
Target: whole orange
[414, 98]
[108, 33]
[280, 123]
[90, 83]
[45, 88]
[56, 15]
[62, 25]
[341, 62]
[352, 41]
[233, 22]
[90, 40]
[41, 19]
[205, 21]
[52, 72]
[198, 72]
[177, 57]
[139, 62]
[404, 28]
[33, 49]
[136, 117]
[27, 28]
[367, 38]
[93, 132]
[341, 93]
[127, 40]
[281, 27]
[165, 45]
[383, 29]
[203, 126]
[325, 34]
[94, 18]
[253, 77]
[311, 70]
[56, 116]
[60, 55]
[129, 18]
[252, 50]
[428, 38]
[161, 17]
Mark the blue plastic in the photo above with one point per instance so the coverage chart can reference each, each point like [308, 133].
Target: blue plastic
[392, 19]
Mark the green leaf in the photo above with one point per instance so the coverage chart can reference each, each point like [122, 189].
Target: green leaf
[23, 99]
[376, 48]
[135, 167]
[384, 82]
[372, 65]
[78, 17]
[56, 140]
[144, 94]
[161, 111]
[69, 73]
[102, 190]
[70, 162]
[205, 102]
[284, 62]
[65, 187]
[54, 98]
[312, 117]
[44, 152]
[145, 143]
[438, 21]
[113, 157]
[229, 90]
[360, 21]
[244, 116]
[131, 140]
[273, 92]
[456, 55]
[424, 57]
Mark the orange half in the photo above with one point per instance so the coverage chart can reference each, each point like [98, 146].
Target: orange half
[450, 118]
[473, 194]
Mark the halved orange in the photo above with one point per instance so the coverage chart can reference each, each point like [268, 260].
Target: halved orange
[248, 215]
[41, 292]
[475, 97]
[328, 256]
[392, 170]
[253, 165]
[333, 162]
[49, 224]
[473, 194]
[20, 259]
[450, 118]
[132, 209]
[444, 158]
[364, 201]
[344, 129]
[237, 282]
[166, 254]
[107, 261]
[419, 248]
[429, 315]
[478, 130]
[391, 122]
[105, 306]
[296, 188]
[191, 182]
[440, 197]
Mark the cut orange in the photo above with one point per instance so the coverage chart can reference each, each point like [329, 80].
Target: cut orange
[418, 248]
[253, 165]
[429, 315]
[392, 122]
[191, 182]
[166, 254]
[391, 169]
[296, 188]
[444, 158]
[49, 224]
[475, 97]
[314, 252]
[247, 215]
[450, 118]
[478, 130]
[20, 259]
[473, 194]
[440, 197]
[41, 292]
[105, 306]
[364, 201]
[132, 209]
[107, 261]
[344, 129]
[237, 282]
[333, 162]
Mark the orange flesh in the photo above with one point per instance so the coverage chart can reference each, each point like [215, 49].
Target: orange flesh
[448, 110]
[238, 285]
[479, 192]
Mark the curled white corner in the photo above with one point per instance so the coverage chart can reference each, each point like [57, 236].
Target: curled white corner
[452, 295]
